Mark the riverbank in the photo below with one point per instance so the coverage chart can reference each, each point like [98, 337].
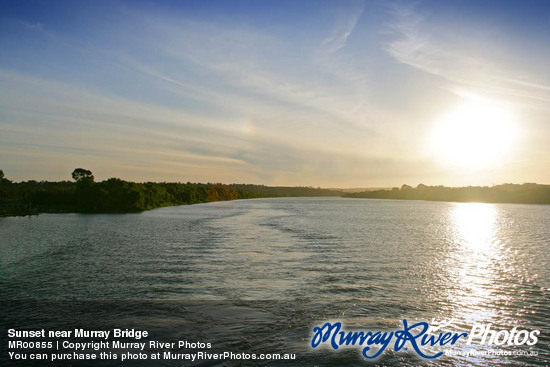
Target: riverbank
[119, 196]
[84, 195]
[528, 193]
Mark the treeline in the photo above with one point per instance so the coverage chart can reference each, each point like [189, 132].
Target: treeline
[280, 191]
[84, 195]
[528, 193]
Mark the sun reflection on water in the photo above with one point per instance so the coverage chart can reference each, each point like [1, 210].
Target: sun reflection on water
[475, 225]
[483, 280]
[476, 256]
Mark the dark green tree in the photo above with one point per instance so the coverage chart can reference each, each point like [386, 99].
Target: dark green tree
[87, 194]
[82, 174]
[3, 179]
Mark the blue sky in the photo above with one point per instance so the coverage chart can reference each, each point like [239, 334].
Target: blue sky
[333, 94]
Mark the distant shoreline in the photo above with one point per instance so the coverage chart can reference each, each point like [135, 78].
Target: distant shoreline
[111, 196]
[529, 193]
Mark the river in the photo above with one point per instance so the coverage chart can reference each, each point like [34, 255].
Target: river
[258, 275]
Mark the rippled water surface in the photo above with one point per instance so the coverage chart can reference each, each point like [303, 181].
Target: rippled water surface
[257, 275]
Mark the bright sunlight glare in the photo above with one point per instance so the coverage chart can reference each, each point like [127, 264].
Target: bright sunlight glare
[475, 135]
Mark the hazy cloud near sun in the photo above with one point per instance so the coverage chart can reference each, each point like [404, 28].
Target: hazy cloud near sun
[117, 132]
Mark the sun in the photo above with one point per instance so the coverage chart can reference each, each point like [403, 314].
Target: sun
[475, 135]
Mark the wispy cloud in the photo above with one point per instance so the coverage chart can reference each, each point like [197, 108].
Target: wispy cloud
[345, 23]
[415, 43]
[245, 69]
[37, 26]
[49, 120]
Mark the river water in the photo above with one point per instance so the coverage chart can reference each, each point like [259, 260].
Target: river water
[258, 275]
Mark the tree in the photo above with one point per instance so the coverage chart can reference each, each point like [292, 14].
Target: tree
[80, 174]
[87, 195]
[3, 180]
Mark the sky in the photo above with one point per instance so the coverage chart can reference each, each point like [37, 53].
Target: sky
[296, 93]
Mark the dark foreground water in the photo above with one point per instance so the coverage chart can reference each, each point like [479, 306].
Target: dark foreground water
[256, 276]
